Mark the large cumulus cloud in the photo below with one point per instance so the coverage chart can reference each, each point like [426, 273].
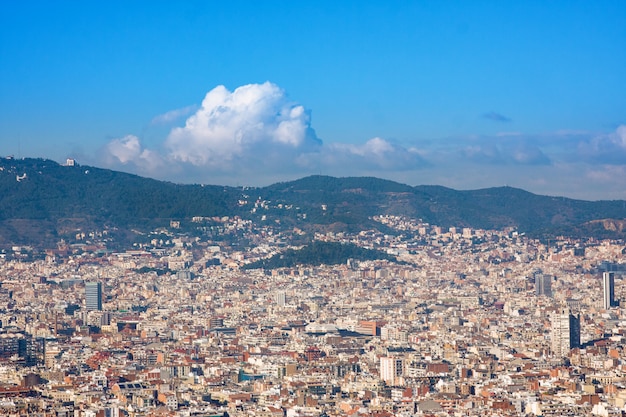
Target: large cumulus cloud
[231, 125]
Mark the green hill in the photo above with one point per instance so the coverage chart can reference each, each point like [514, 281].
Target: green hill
[357, 199]
[318, 253]
[42, 201]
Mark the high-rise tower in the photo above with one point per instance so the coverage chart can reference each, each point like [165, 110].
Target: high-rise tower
[543, 284]
[608, 290]
[565, 332]
[93, 296]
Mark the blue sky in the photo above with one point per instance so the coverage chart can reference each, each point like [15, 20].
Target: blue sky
[462, 94]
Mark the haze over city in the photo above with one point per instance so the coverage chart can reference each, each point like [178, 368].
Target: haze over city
[461, 94]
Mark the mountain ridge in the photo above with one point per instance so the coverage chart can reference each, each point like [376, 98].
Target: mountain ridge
[42, 201]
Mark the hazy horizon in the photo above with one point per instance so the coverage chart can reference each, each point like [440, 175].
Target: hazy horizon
[462, 95]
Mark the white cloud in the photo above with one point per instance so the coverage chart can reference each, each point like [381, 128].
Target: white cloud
[605, 149]
[124, 149]
[619, 137]
[129, 151]
[173, 115]
[375, 146]
[375, 154]
[231, 125]
[607, 173]
[500, 149]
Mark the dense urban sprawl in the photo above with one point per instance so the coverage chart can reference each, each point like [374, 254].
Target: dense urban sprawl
[471, 323]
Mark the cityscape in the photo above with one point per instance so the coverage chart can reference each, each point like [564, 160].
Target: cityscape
[468, 322]
[351, 208]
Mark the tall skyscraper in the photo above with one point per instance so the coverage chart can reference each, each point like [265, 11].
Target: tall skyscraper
[543, 284]
[565, 332]
[608, 290]
[93, 296]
